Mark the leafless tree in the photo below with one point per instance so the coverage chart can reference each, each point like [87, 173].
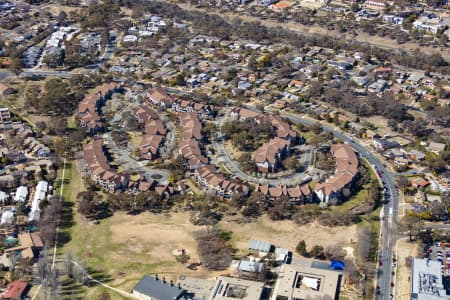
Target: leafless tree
[335, 252]
[69, 264]
[14, 258]
[364, 242]
[80, 273]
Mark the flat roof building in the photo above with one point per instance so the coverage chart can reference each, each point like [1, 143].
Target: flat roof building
[426, 280]
[307, 278]
[234, 288]
[259, 246]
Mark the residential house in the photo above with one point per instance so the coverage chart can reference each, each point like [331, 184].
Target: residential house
[209, 179]
[347, 163]
[6, 90]
[7, 217]
[392, 19]
[191, 126]
[158, 97]
[383, 144]
[154, 132]
[280, 6]
[30, 245]
[39, 194]
[89, 107]
[190, 150]
[378, 86]
[21, 194]
[5, 115]
[97, 167]
[267, 158]
[299, 194]
[436, 148]
[16, 290]
[416, 155]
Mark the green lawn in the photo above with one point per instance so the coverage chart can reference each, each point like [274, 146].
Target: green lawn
[351, 203]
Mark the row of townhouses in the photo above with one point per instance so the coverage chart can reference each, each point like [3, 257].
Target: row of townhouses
[89, 107]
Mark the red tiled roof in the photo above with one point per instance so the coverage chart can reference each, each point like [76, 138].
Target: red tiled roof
[15, 290]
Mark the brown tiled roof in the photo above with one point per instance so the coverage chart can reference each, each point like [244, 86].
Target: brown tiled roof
[191, 126]
[246, 113]
[283, 128]
[160, 95]
[151, 143]
[87, 108]
[282, 190]
[98, 164]
[346, 169]
[269, 150]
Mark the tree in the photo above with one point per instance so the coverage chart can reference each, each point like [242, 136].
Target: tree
[69, 264]
[62, 17]
[317, 252]
[301, 248]
[364, 239]
[213, 248]
[246, 162]
[16, 66]
[335, 252]
[403, 182]
[291, 163]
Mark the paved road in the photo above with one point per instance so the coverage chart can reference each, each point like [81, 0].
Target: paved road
[389, 212]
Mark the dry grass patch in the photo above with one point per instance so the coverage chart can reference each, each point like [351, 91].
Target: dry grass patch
[287, 234]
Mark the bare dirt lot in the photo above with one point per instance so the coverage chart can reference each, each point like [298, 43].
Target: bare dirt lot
[287, 234]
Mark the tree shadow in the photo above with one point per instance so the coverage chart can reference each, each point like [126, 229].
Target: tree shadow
[98, 275]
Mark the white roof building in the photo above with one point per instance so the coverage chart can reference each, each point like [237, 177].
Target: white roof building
[39, 195]
[21, 194]
[3, 197]
[426, 280]
[7, 217]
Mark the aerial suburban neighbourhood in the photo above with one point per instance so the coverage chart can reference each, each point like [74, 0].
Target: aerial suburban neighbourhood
[213, 150]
